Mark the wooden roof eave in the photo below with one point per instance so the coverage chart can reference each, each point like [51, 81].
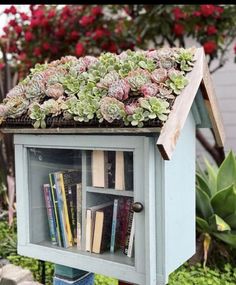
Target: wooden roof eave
[198, 77]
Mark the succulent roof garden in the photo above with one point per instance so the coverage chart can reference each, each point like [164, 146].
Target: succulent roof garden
[134, 88]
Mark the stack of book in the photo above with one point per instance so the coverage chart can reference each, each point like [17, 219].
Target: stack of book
[84, 279]
[63, 198]
[110, 227]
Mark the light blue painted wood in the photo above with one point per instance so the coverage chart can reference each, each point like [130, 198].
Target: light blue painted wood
[179, 201]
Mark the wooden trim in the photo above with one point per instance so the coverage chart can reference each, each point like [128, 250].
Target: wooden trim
[100, 131]
[171, 130]
[212, 106]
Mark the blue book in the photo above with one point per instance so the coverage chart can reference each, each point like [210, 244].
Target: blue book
[50, 213]
[86, 279]
[114, 225]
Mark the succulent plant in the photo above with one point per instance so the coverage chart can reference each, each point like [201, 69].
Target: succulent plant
[130, 108]
[157, 107]
[16, 106]
[70, 84]
[55, 91]
[38, 114]
[51, 107]
[185, 57]
[112, 109]
[119, 89]
[77, 67]
[138, 78]
[18, 90]
[159, 75]
[3, 110]
[166, 92]
[36, 86]
[176, 82]
[137, 118]
[90, 61]
[149, 90]
[109, 78]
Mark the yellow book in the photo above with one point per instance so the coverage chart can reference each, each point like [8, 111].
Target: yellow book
[65, 213]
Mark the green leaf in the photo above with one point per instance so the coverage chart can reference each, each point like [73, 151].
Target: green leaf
[212, 177]
[36, 124]
[203, 205]
[202, 225]
[218, 224]
[227, 172]
[229, 238]
[231, 220]
[201, 182]
[224, 202]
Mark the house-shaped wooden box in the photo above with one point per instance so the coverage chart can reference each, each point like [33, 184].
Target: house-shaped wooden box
[163, 183]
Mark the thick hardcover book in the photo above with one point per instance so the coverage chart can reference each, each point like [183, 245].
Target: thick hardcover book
[129, 231]
[99, 164]
[102, 229]
[50, 213]
[79, 215]
[70, 179]
[119, 171]
[90, 222]
[128, 170]
[56, 209]
[86, 279]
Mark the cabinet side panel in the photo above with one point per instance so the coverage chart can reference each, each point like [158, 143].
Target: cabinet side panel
[180, 200]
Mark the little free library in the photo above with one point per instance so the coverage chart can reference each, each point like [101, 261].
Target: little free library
[105, 160]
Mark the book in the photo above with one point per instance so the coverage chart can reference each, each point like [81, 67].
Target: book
[102, 229]
[125, 208]
[115, 225]
[56, 209]
[130, 249]
[85, 279]
[90, 222]
[79, 215]
[50, 213]
[129, 234]
[128, 170]
[119, 171]
[70, 180]
[99, 164]
[60, 188]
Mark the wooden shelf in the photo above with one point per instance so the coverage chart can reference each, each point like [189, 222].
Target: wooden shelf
[118, 256]
[110, 191]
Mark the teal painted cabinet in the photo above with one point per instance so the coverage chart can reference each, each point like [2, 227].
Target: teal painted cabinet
[164, 235]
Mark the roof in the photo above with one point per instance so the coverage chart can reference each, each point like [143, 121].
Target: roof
[199, 78]
[199, 95]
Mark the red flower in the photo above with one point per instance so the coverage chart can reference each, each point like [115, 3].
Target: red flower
[18, 29]
[22, 56]
[211, 30]
[207, 10]
[51, 13]
[219, 9]
[178, 13]
[178, 29]
[12, 23]
[235, 48]
[86, 20]
[37, 51]
[46, 46]
[34, 23]
[2, 65]
[24, 17]
[28, 36]
[74, 35]
[196, 13]
[209, 47]
[38, 13]
[112, 47]
[60, 32]
[96, 10]
[98, 33]
[13, 10]
[79, 49]
[6, 29]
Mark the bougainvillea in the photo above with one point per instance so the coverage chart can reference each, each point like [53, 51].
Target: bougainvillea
[48, 32]
[122, 87]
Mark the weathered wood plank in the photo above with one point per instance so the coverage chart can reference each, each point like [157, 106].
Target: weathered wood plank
[81, 130]
[181, 108]
[211, 103]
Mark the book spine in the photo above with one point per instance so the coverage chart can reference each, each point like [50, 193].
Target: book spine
[88, 240]
[79, 215]
[128, 232]
[125, 208]
[50, 213]
[119, 171]
[65, 215]
[131, 239]
[71, 205]
[114, 225]
[56, 209]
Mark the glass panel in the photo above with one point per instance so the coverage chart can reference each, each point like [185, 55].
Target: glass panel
[82, 199]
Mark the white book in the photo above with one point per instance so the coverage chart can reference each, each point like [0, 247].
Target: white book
[120, 171]
[98, 168]
[131, 239]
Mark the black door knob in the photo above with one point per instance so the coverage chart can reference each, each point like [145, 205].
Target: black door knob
[137, 207]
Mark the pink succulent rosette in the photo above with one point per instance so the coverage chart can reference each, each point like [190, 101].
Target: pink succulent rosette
[55, 91]
[159, 75]
[119, 90]
[149, 90]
